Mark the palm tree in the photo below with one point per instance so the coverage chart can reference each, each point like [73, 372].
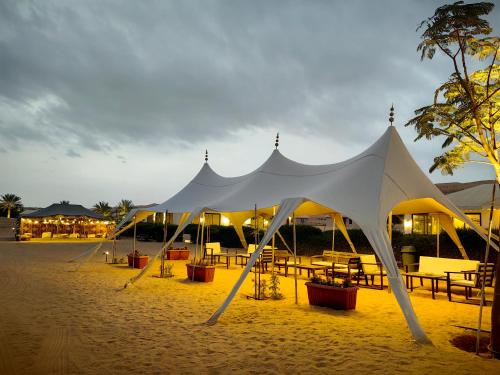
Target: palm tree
[103, 208]
[11, 202]
[124, 206]
[64, 202]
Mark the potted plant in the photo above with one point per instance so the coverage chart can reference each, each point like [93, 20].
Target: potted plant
[137, 260]
[178, 254]
[200, 270]
[327, 292]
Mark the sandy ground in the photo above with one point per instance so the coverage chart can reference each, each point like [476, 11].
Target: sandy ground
[55, 321]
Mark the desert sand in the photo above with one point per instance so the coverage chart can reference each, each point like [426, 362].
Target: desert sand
[57, 321]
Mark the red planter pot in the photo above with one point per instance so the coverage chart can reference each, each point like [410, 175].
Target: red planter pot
[138, 262]
[178, 254]
[201, 273]
[331, 296]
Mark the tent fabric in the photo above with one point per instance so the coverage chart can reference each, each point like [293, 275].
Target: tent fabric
[474, 198]
[365, 188]
[64, 210]
[184, 221]
[286, 208]
[339, 223]
[446, 222]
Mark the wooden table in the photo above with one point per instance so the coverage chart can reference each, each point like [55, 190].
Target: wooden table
[433, 278]
[309, 267]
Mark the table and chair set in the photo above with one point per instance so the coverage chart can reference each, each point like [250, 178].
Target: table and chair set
[455, 273]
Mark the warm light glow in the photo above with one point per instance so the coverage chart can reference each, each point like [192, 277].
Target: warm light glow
[407, 225]
[224, 221]
[266, 222]
[202, 219]
[247, 222]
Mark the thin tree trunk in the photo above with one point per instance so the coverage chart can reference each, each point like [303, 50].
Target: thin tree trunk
[495, 308]
[8, 213]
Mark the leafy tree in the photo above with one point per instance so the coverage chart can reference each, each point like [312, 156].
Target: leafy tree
[103, 208]
[64, 202]
[465, 110]
[124, 207]
[11, 203]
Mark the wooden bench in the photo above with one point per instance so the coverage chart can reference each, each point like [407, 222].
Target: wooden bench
[341, 259]
[438, 269]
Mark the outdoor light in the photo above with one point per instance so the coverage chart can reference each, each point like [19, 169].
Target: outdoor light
[407, 224]
[224, 221]
[106, 253]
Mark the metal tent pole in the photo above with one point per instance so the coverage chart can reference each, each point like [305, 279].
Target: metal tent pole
[295, 259]
[486, 255]
[333, 233]
[134, 249]
[162, 268]
[273, 243]
[437, 236]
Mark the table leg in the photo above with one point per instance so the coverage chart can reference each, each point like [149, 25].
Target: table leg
[432, 289]
[411, 283]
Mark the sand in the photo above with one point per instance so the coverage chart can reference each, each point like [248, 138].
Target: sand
[55, 321]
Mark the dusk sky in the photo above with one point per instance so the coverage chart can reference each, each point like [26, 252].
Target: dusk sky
[104, 100]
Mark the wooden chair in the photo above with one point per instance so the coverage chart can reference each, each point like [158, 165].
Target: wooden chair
[370, 267]
[472, 279]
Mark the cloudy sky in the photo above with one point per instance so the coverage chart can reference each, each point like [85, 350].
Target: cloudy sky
[104, 100]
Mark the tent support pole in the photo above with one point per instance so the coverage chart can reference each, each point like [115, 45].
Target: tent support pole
[437, 236]
[333, 233]
[295, 259]
[162, 267]
[197, 237]
[273, 243]
[486, 255]
[134, 249]
[389, 227]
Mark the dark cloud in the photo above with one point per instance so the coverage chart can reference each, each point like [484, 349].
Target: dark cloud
[105, 73]
[73, 154]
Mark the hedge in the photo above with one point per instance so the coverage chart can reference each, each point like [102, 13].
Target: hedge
[311, 240]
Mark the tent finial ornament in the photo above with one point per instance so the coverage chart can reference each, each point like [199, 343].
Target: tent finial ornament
[391, 115]
[206, 156]
[277, 143]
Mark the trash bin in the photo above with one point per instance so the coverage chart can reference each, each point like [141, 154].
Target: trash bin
[409, 256]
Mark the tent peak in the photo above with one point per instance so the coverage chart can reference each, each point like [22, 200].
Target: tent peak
[391, 115]
[206, 156]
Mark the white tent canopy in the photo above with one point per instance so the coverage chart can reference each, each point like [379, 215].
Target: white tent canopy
[366, 188]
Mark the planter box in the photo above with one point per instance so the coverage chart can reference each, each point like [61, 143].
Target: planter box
[178, 254]
[201, 273]
[138, 262]
[331, 296]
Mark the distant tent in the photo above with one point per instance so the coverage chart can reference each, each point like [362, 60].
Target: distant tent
[365, 188]
[64, 221]
[64, 210]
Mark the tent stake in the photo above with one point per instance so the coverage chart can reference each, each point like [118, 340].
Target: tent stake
[295, 259]
[486, 256]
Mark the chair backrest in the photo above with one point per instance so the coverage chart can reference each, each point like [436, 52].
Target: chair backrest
[47, 235]
[215, 246]
[252, 248]
[267, 255]
[369, 268]
[439, 266]
[490, 274]
[281, 253]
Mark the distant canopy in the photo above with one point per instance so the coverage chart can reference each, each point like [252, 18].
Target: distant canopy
[56, 209]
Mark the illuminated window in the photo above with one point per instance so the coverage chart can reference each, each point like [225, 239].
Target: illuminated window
[424, 224]
[212, 219]
[475, 217]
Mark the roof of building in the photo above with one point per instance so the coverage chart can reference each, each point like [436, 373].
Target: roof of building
[64, 210]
